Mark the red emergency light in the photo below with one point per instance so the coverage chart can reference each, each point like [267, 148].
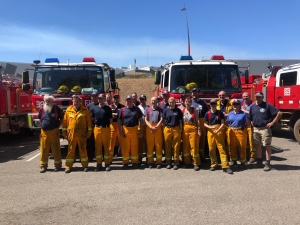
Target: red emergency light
[217, 57]
[89, 59]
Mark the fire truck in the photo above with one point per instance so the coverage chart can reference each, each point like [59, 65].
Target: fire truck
[15, 103]
[281, 88]
[209, 76]
[62, 80]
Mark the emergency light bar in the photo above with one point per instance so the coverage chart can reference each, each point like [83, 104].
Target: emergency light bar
[89, 59]
[52, 60]
[217, 57]
[186, 57]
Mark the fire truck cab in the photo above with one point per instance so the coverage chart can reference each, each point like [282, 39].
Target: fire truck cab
[62, 80]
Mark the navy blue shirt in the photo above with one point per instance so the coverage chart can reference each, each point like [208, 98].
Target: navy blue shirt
[153, 115]
[172, 116]
[130, 116]
[237, 120]
[223, 107]
[102, 115]
[163, 105]
[116, 110]
[91, 105]
[50, 120]
[213, 118]
[262, 114]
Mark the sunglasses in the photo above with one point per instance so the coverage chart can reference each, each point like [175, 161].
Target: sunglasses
[221, 95]
[235, 104]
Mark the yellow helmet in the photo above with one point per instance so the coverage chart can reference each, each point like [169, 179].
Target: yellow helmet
[191, 85]
[63, 89]
[76, 89]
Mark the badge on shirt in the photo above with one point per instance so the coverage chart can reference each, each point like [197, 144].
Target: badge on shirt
[175, 113]
[262, 110]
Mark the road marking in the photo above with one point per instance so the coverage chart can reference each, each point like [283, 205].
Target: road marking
[33, 157]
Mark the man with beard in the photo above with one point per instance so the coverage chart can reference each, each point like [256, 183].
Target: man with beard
[51, 118]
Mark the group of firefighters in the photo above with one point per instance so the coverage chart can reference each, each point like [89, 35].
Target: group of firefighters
[163, 128]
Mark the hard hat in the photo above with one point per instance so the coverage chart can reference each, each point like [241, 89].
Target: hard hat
[76, 89]
[191, 85]
[62, 89]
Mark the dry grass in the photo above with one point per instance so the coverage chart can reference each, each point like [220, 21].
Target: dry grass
[140, 86]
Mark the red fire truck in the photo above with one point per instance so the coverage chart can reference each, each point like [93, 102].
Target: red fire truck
[62, 80]
[15, 103]
[209, 76]
[281, 88]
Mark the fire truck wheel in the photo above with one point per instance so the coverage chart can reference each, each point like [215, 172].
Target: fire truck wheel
[297, 130]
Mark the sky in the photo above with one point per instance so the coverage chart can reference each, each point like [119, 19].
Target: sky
[153, 32]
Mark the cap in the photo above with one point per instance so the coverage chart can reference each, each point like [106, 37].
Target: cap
[195, 89]
[235, 101]
[259, 94]
[116, 95]
[165, 93]
[128, 97]
[143, 97]
[101, 95]
[213, 101]
[95, 92]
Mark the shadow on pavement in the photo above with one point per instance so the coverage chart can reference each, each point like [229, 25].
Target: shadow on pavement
[285, 167]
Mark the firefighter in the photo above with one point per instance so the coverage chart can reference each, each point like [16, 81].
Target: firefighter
[165, 102]
[129, 118]
[263, 116]
[63, 89]
[76, 89]
[115, 134]
[159, 99]
[247, 102]
[134, 99]
[214, 122]
[172, 133]
[154, 135]
[51, 118]
[202, 108]
[102, 117]
[191, 134]
[108, 99]
[77, 128]
[238, 121]
[90, 144]
[142, 141]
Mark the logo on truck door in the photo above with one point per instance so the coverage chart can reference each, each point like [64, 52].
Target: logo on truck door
[287, 91]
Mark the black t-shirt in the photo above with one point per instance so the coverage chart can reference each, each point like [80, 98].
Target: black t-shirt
[116, 110]
[223, 107]
[50, 120]
[262, 114]
[91, 106]
[172, 116]
[213, 118]
[102, 115]
[130, 116]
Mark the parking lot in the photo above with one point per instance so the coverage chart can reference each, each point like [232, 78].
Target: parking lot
[148, 196]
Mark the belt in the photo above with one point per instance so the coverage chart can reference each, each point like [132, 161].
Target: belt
[102, 126]
[171, 126]
[237, 128]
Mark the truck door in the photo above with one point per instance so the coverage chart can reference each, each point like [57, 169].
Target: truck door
[287, 90]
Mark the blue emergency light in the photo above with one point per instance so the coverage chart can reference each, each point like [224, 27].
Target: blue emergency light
[52, 60]
[186, 57]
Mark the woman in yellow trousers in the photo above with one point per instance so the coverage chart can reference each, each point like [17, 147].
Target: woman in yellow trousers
[190, 135]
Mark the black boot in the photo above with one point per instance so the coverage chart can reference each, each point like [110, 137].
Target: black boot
[98, 168]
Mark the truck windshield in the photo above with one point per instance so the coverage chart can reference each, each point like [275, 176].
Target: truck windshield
[208, 78]
[65, 79]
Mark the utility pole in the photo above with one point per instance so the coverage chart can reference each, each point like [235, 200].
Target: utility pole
[134, 68]
[188, 32]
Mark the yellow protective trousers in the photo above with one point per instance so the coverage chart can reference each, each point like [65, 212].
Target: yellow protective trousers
[130, 144]
[142, 141]
[73, 142]
[238, 138]
[154, 140]
[172, 142]
[217, 140]
[102, 138]
[190, 139]
[226, 139]
[202, 138]
[49, 139]
[114, 136]
[250, 142]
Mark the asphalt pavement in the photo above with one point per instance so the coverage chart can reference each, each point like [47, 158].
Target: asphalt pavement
[147, 196]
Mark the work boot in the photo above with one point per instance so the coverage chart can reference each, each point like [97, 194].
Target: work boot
[43, 170]
[98, 168]
[203, 161]
[125, 167]
[151, 166]
[196, 168]
[233, 164]
[242, 166]
[158, 166]
[67, 170]
[86, 169]
[135, 166]
[57, 169]
[107, 168]
[212, 169]
[267, 167]
[228, 170]
[259, 163]
[175, 167]
[251, 161]
[168, 167]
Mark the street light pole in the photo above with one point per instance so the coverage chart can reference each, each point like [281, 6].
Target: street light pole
[188, 32]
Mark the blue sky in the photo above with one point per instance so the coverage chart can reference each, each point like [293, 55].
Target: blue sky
[152, 31]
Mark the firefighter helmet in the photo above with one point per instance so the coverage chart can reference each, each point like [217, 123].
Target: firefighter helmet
[190, 86]
[76, 89]
[62, 89]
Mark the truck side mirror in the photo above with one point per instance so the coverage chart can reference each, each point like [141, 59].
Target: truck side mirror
[25, 77]
[247, 76]
[157, 76]
[25, 87]
[112, 75]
